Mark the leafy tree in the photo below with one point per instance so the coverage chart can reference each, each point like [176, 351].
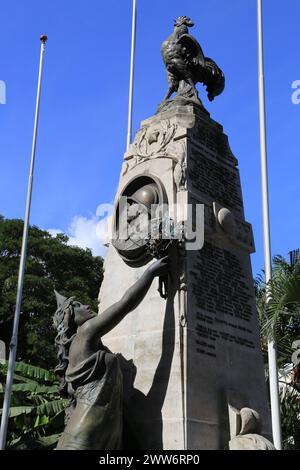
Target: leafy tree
[280, 321]
[290, 407]
[51, 264]
[36, 418]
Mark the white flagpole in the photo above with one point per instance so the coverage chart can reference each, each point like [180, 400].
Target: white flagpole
[131, 79]
[14, 338]
[272, 353]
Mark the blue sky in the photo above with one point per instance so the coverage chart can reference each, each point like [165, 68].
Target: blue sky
[83, 119]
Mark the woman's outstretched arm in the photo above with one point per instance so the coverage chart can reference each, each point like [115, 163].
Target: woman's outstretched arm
[98, 326]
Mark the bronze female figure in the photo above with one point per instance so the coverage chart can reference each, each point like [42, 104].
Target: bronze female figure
[89, 373]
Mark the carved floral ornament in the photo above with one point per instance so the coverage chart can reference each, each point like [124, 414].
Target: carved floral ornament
[158, 142]
[153, 140]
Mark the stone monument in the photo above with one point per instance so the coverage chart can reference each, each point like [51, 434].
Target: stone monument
[2, 351]
[247, 434]
[186, 359]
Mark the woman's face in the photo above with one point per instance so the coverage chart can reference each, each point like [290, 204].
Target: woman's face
[82, 313]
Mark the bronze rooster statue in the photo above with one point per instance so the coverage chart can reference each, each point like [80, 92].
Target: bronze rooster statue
[186, 65]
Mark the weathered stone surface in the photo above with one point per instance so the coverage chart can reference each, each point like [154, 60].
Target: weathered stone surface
[186, 359]
[2, 350]
[246, 431]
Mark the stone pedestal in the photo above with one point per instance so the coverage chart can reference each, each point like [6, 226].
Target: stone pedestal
[185, 360]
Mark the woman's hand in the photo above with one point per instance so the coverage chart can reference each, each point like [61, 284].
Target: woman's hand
[160, 267]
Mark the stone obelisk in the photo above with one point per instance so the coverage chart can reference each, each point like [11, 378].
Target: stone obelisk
[187, 359]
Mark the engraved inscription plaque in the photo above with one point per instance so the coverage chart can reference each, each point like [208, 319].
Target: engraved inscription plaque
[216, 181]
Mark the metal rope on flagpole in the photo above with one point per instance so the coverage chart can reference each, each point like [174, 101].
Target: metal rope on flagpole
[272, 353]
[14, 338]
[131, 79]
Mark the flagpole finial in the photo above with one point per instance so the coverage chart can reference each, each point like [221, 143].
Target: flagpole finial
[43, 38]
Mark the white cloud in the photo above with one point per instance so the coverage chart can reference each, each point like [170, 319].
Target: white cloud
[54, 231]
[84, 232]
[92, 232]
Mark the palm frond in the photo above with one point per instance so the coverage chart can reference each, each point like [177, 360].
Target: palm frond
[37, 409]
[34, 388]
[51, 408]
[284, 294]
[19, 410]
[45, 442]
[33, 372]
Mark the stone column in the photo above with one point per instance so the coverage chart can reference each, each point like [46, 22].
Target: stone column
[185, 360]
[2, 351]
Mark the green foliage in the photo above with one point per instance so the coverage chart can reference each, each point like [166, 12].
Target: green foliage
[36, 418]
[290, 411]
[280, 321]
[51, 264]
